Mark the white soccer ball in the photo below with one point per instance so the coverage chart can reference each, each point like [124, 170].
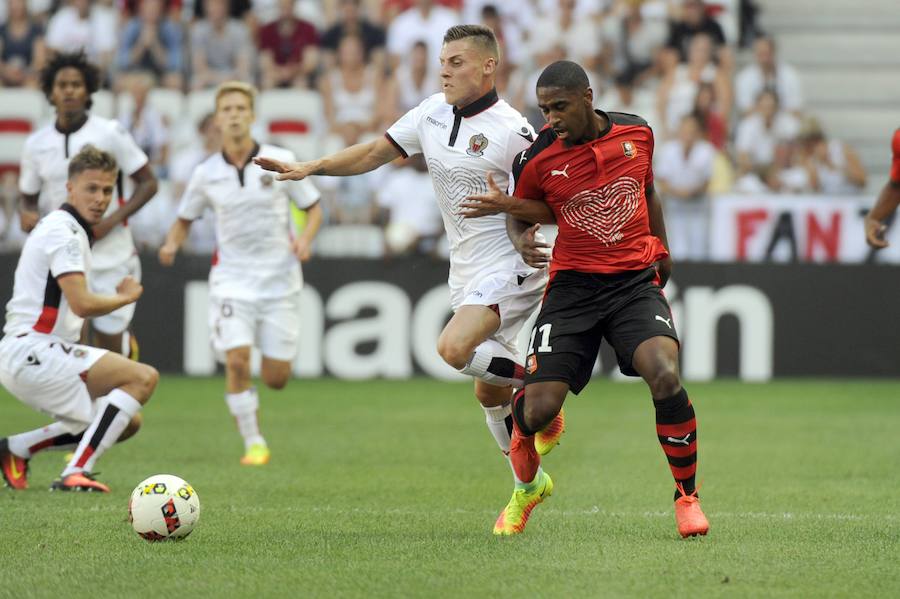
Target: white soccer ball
[163, 507]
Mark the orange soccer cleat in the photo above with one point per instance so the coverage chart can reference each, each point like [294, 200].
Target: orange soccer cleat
[79, 481]
[15, 469]
[688, 516]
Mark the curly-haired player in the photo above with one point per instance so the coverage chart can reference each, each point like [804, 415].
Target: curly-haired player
[69, 81]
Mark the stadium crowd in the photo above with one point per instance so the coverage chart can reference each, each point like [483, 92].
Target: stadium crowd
[727, 113]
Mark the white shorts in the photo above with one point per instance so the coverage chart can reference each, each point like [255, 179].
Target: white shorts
[514, 297]
[47, 374]
[105, 282]
[272, 326]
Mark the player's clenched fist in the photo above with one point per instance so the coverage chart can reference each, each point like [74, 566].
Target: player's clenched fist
[130, 288]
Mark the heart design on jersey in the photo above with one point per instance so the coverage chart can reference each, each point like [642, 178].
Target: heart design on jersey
[452, 186]
[603, 212]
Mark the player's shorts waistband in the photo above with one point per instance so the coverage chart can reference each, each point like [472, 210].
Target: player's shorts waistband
[603, 279]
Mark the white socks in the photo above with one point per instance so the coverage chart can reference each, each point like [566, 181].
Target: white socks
[499, 422]
[52, 436]
[243, 407]
[494, 364]
[115, 412]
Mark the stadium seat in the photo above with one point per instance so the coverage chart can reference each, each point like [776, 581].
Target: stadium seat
[21, 112]
[345, 241]
[292, 118]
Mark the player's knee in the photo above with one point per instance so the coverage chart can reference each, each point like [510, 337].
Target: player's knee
[665, 382]
[453, 353]
[276, 380]
[148, 378]
[238, 365]
[540, 410]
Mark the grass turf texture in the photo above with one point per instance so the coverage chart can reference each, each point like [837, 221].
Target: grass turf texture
[390, 489]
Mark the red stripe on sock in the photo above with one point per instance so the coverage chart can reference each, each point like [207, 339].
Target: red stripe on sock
[680, 451]
[683, 473]
[519, 372]
[84, 457]
[676, 430]
[42, 445]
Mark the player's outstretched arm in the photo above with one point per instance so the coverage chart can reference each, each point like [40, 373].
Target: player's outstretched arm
[86, 304]
[887, 203]
[355, 160]
[174, 239]
[303, 244]
[658, 228]
[495, 202]
[145, 186]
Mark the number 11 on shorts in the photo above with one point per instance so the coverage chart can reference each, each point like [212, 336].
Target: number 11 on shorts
[545, 338]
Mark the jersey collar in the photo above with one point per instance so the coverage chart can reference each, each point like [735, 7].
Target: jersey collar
[73, 129]
[479, 105]
[84, 224]
[240, 168]
[609, 123]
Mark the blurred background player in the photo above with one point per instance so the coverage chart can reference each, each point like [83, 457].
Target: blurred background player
[467, 135]
[68, 81]
[93, 395]
[593, 170]
[888, 200]
[255, 280]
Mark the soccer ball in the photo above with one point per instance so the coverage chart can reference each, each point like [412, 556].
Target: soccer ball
[163, 507]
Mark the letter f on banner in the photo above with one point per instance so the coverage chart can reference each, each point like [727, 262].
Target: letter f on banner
[747, 225]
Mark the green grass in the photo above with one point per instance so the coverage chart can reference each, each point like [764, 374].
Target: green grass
[389, 489]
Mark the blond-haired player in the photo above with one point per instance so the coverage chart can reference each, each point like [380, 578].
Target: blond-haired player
[255, 280]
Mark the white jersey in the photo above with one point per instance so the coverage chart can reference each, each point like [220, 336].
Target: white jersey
[57, 246]
[45, 170]
[461, 148]
[254, 227]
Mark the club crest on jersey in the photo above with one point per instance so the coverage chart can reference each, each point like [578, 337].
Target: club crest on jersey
[477, 144]
[629, 149]
[266, 180]
[531, 365]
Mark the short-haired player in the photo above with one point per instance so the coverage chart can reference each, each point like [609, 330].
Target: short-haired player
[93, 396]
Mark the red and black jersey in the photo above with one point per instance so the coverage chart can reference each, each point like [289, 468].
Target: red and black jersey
[597, 190]
[895, 159]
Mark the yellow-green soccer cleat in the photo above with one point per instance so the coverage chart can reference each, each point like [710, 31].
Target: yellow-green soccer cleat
[548, 438]
[257, 455]
[515, 515]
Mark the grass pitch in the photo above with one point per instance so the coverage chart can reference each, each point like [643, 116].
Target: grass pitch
[390, 489]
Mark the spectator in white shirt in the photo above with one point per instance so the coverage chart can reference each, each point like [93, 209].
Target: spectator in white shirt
[562, 27]
[761, 132]
[767, 72]
[832, 167]
[426, 22]
[684, 167]
[87, 25]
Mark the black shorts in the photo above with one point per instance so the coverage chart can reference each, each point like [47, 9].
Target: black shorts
[580, 310]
